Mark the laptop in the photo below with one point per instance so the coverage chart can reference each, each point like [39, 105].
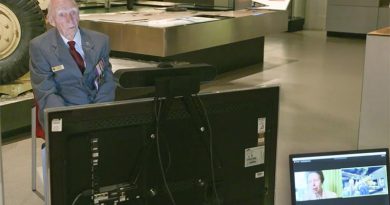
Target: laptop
[358, 177]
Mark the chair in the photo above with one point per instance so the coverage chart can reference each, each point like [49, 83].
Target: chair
[36, 132]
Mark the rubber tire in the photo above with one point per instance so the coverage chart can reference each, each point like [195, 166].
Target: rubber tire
[32, 24]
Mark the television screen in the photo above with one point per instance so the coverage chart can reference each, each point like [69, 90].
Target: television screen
[340, 178]
[212, 148]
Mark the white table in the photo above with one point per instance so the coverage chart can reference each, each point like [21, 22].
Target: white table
[374, 130]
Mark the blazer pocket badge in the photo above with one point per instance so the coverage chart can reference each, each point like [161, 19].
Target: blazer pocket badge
[99, 71]
[57, 68]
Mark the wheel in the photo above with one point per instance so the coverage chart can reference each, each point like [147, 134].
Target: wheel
[20, 21]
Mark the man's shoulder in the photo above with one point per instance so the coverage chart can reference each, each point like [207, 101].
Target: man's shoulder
[44, 37]
[94, 34]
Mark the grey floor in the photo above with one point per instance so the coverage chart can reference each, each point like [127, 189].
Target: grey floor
[320, 79]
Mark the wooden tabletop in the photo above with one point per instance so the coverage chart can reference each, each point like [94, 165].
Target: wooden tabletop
[381, 32]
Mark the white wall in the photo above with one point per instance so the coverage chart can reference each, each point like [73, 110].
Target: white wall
[315, 15]
[298, 8]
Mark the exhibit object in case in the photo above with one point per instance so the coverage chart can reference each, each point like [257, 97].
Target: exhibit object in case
[212, 148]
[340, 178]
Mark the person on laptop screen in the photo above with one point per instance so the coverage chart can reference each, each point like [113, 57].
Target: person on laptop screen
[351, 189]
[315, 180]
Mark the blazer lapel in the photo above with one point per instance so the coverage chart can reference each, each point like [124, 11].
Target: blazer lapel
[65, 57]
[54, 47]
[90, 54]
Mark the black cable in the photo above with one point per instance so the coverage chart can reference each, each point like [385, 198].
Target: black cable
[134, 182]
[77, 198]
[87, 192]
[137, 176]
[211, 148]
[142, 153]
[169, 163]
[158, 113]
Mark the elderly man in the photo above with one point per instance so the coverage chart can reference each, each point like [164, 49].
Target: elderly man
[70, 65]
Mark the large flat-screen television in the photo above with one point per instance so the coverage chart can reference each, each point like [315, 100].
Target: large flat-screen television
[358, 177]
[212, 148]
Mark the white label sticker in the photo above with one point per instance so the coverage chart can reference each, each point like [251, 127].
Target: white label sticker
[261, 125]
[259, 174]
[254, 156]
[56, 125]
[261, 131]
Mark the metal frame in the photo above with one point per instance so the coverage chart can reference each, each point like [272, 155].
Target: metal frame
[34, 154]
[46, 182]
[1, 172]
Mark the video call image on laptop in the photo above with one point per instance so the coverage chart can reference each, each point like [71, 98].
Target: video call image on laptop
[340, 178]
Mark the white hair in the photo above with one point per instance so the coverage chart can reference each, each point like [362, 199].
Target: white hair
[51, 10]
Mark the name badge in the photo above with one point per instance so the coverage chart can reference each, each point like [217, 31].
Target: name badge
[57, 68]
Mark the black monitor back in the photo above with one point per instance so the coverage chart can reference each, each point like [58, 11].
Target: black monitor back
[128, 152]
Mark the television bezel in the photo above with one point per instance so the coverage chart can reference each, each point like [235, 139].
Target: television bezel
[269, 179]
[329, 153]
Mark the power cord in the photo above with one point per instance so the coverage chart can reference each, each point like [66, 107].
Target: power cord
[144, 151]
[157, 116]
[211, 149]
[87, 192]
[76, 199]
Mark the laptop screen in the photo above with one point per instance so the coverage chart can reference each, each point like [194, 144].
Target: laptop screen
[340, 178]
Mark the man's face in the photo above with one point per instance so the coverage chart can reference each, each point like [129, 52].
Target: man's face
[65, 17]
[314, 182]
